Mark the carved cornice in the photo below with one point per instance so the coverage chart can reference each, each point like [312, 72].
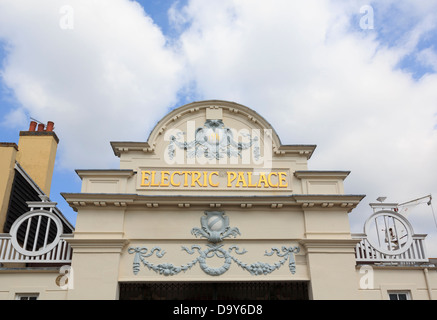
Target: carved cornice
[297, 149]
[347, 202]
[342, 202]
[119, 147]
[311, 174]
[105, 173]
[329, 245]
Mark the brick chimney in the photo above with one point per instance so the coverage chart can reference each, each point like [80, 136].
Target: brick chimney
[37, 152]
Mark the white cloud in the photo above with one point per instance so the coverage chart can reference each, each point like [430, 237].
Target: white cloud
[428, 57]
[14, 118]
[111, 68]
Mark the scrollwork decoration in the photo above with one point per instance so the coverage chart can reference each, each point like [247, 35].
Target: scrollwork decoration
[215, 227]
[256, 269]
[213, 141]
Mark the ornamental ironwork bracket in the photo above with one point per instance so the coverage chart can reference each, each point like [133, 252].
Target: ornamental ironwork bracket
[215, 227]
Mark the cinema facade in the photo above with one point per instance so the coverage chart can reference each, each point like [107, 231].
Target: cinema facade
[213, 206]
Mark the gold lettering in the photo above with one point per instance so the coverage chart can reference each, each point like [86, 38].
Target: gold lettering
[205, 178]
[270, 179]
[186, 173]
[144, 178]
[232, 179]
[153, 183]
[241, 179]
[249, 180]
[210, 180]
[283, 179]
[164, 179]
[172, 179]
[195, 176]
[262, 179]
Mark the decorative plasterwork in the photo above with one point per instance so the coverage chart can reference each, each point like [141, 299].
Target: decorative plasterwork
[215, 228]
[213, 141]
[231, 107]
[204, 106]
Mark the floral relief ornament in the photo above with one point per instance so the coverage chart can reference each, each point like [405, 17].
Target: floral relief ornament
[215, 227]
[213, 141]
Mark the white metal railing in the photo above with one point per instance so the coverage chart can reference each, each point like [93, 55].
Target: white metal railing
[365, 253]
[61, 253]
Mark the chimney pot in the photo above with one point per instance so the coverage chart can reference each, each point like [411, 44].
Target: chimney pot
[32, 126]
[50, 126]
[40, 127]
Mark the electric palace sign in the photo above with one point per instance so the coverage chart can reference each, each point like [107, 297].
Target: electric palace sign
[214, 179]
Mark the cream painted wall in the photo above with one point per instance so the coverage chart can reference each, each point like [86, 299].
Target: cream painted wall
[375, 282]
[25, 281]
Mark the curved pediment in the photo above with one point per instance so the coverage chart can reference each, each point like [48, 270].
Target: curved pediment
[213, 132]
[208, 113]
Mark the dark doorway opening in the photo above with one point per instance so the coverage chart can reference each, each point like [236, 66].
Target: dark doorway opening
[289, 290]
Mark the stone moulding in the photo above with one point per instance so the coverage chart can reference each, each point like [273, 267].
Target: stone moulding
[256, 269]
[215, 227]
[213, 141]
[80, 200]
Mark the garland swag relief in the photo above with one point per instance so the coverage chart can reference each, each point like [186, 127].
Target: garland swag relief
[215, 228]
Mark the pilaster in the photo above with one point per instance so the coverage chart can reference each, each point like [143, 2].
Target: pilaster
[95, 268]
[331, 265]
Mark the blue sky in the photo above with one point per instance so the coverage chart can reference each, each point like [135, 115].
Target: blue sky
[366, 97]
[158, 11]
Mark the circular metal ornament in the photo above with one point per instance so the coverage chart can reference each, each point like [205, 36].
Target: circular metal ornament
[389, 232]
[27, 217]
